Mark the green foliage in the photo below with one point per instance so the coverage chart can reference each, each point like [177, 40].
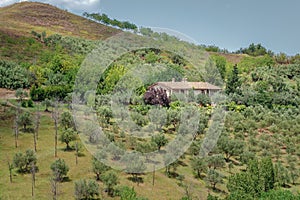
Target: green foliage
[203, 99]
[110, 179]
[233, 83]
[24, 161]
[98, 167]
[103, 18]
[134, 165]
[86, 189]
[13, 76]
[249, 64]
[110, 78]
[255, 50]
[67, 136]
[199, 165]
[105, 114]
[214, 177]
[279, 195]
[59, 169]
[220, 62]
[282, 174]
[160, 140]
[66, 120]
[215, 161]
[230, 147]
[25, 119]
[258, 178]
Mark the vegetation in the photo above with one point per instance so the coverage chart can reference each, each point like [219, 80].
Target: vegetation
[256, 156]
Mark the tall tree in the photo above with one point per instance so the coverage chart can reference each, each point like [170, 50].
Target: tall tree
[233, 84]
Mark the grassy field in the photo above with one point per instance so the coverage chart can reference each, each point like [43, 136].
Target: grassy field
[20, 188]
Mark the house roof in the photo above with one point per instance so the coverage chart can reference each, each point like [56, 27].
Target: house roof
[188, 85]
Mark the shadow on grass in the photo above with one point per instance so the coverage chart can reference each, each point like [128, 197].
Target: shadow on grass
[66, 180]
[137, 180]
[172, 174]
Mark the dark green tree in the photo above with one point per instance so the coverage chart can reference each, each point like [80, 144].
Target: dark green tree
[86, 189]
[25, 119]
[67, 136]
[233, 84]
[59, 169]
[24, 161]
[160, 140]
[110, 179]
[99, 168]
[199, 165]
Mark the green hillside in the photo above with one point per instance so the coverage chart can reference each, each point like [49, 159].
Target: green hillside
[256, 156]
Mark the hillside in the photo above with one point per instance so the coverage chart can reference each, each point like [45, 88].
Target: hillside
[249, 135]
[21, 18]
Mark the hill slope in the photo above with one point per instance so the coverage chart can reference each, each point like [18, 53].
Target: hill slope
[21, 18]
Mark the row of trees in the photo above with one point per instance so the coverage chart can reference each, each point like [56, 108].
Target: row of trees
[103, 18]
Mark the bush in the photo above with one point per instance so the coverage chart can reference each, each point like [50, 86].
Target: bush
[59, 169]
[86, 189]
[13, 76]
[23, 161]
[30, 103]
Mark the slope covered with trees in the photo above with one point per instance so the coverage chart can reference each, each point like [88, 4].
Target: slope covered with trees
[255, 157]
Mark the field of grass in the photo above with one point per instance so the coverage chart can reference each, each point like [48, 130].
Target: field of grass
[20, 188]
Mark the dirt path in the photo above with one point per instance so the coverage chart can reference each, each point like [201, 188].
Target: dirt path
[7, 94]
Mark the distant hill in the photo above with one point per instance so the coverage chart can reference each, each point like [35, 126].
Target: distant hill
[21, 19]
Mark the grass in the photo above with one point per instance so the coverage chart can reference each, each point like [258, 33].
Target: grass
[164, 187]
[21, 18]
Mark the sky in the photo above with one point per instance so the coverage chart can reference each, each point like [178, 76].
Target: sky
[229, 24]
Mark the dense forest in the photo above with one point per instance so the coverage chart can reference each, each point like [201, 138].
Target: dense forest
[46, 148]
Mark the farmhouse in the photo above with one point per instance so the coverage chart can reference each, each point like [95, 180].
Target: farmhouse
[183, 87]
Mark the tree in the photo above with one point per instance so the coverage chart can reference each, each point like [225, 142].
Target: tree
[160, 140]
[230, 147]
[267, 173]
[134, 165]
[10, 168]
[258, 178]
[23, 162]
[199, 165]
[16, 126]
[66, 120]
[110, 179]
[214, 177]
[233, 84]
[156, 96]
[55, 117]
[99, 168]
[203, 99]
[86, 189]
[47, 103]
[21, 94]
[282, 175]
[25, 120]
[67, 136]
[105, 114]
[220, 62]
[215, 161]
[60, 169]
